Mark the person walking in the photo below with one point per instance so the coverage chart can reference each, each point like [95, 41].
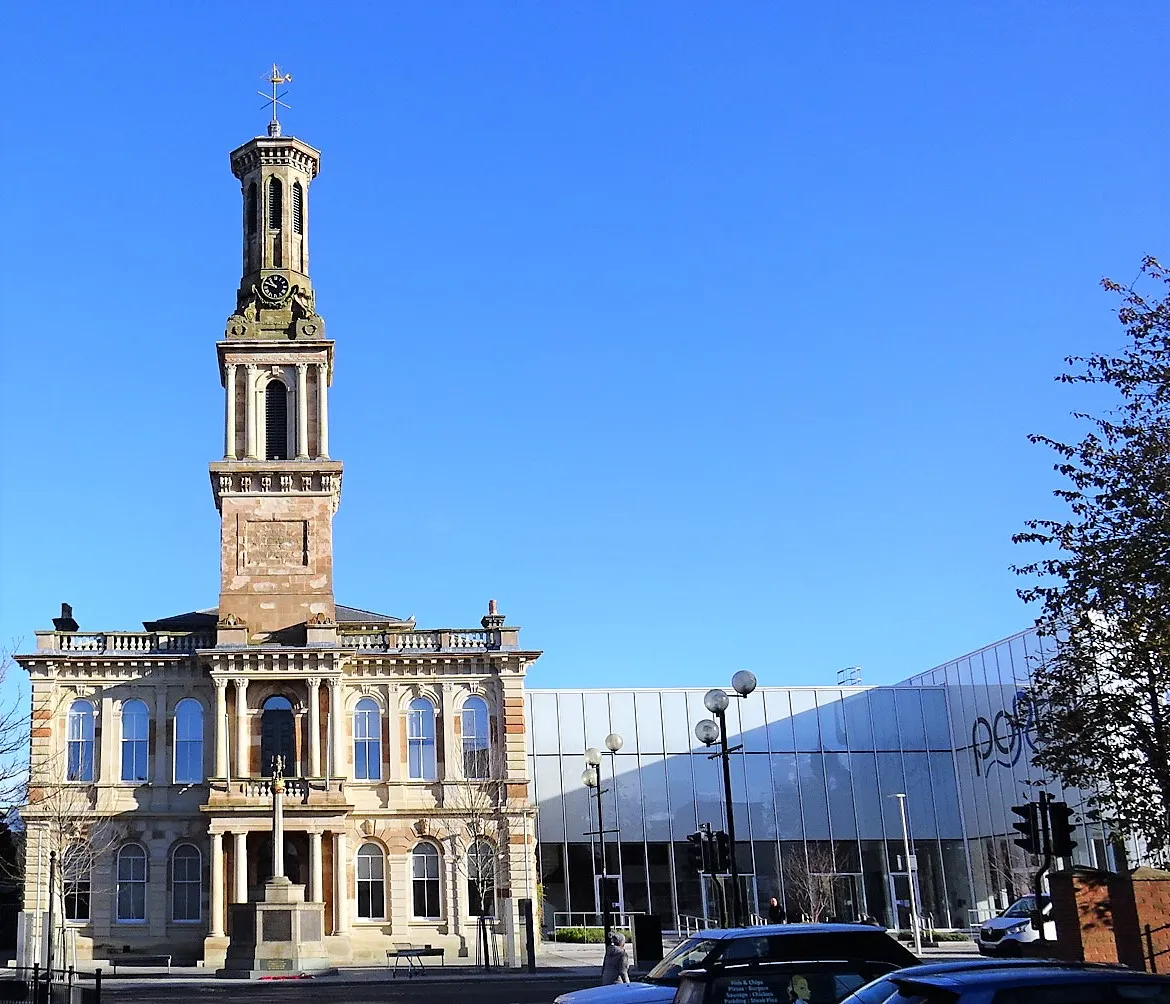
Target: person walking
[615, 967]
[776, 913]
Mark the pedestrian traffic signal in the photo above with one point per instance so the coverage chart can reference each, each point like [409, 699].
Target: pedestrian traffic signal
[721, 864]
[1061, 828]
[1032, 840]
[697, 851]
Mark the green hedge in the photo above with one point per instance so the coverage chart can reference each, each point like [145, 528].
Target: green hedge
[583, 935]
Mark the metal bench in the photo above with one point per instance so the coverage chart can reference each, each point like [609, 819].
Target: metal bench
[134, 959]
[413, 956]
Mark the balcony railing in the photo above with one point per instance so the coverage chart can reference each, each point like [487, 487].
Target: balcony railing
[123, 641]
[257, 791]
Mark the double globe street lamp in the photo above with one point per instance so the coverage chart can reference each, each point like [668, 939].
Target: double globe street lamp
[591, 776]
[709, 732]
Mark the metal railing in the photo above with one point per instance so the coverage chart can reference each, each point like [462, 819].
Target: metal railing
[38, 985]
[688, 925]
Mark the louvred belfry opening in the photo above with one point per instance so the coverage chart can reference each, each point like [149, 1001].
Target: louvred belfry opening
[276, 421]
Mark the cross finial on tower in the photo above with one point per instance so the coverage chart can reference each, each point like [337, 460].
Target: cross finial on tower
[275, 78]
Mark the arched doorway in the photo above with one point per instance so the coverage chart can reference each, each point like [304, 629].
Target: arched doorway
[276, 736]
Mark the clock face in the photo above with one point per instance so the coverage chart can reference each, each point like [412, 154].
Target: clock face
[274, 286]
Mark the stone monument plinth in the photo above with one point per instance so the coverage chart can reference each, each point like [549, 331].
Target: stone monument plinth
[280, 934]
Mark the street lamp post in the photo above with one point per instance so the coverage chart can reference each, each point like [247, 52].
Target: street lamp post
[591, 776]
[707, 732]
[910, 877]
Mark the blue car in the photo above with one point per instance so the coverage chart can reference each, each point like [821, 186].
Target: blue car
[1025, 982]
[771, 943]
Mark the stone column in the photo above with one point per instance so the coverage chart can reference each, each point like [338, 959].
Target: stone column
[322, 410]
[341, 884]
[316, 870]
[240, 893]
[302, 411]
[250, 410]
[446, 741]
[221, 728]
[229, 425]
[243, 742]
[106, 768]
[337, 727]
[162, 763]
[217, 885]
[315, 727]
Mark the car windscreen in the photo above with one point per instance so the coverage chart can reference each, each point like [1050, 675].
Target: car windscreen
[1024, 906]
[864, 943]
[786, 983]
[691, 953]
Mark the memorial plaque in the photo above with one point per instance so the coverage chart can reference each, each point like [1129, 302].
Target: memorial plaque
[275, 965]
[278, 545]
[277, 925]
[310, 926]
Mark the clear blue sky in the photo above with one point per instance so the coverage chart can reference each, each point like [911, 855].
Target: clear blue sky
[701, 336]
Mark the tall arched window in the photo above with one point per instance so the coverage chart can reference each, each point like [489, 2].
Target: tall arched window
[131, 884]
[251, 210]
[275, 203]
[476, 739]
[186, 883]
[481, 879]
[298, 208]
[75, 881]
[188, 741]
[420, 740]
[424, 862]
[371, 883]
[367, 740]
[80, 742]
[276, 735]
[135, 741]
[276, 421]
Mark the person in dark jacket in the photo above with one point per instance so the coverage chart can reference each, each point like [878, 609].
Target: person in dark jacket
[776, 913]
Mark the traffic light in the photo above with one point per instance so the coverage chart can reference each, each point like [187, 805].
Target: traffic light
[696, 851]
[1061, 825]
[721, 863]
[1032, 840]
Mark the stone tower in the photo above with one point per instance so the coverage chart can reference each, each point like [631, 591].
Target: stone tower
[276, 487]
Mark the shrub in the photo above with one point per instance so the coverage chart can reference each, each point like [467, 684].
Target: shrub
[582, 935]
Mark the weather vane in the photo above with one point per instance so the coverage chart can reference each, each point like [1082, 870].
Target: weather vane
[276, 78]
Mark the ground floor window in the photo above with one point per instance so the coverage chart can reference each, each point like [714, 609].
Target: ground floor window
[425, 871]
[186, 884]
[371, 883]
[75, 882]
[131, 884]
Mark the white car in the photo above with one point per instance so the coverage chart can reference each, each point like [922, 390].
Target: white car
[1006, 934]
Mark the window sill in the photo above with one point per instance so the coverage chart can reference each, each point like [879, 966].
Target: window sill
[118, 922]
[370, 922]
[186, 923]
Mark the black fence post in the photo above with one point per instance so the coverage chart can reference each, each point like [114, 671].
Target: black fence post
[1150, 949]
[97, 986]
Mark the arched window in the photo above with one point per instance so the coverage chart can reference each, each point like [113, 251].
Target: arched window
[131, 884]
[276, 736]
[371, 883]
[481, 879]
[80, 742]
[186, 883]
[276, 421]
[75, 881]
[476, 739]
[367, 740]
[420, 740]
[425, 880]
[135, 741]
[275, 203]
[251, 211]
[298, 208]
[188, 741]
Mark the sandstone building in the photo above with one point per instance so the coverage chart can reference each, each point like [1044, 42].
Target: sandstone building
[409, 812]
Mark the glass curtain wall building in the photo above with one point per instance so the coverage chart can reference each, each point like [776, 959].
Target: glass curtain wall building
[816, 820]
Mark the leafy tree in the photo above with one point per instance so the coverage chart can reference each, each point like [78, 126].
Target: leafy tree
[1103, 587]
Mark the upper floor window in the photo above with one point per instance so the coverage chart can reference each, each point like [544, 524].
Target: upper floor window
[420, 740]
[79, 766]
[75, 881]
[425, 880]
[135, 741]
[276, 420]
[298, 208]
[131, 873]
[251, 210]
[371, 883]
[476, 738]
[186, 883]
[188, 741]
[367, 743]
[275, 203]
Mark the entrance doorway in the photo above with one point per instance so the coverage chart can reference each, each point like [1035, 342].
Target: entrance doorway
[608, 892]
[276, 736]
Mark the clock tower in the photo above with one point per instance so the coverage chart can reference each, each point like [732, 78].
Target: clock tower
[276, 487]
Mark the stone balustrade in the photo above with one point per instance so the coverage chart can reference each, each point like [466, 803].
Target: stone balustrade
[420, 641]
[122, 641]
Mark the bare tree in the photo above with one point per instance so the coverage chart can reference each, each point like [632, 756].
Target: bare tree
[809, 880]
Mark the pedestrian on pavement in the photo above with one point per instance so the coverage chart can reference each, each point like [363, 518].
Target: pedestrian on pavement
[615, 967]
[776, 913]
